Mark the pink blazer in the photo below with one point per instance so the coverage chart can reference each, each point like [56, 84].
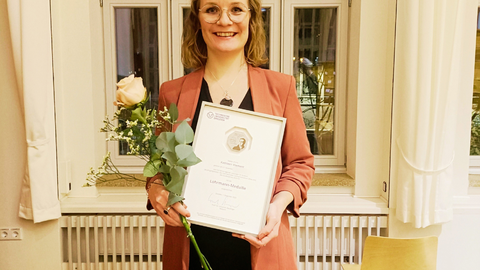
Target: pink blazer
[272, 93]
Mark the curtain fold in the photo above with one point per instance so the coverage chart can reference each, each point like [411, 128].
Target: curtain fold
[434, 48]
[31, 40]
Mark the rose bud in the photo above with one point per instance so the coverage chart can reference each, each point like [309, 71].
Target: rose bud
[130, 91]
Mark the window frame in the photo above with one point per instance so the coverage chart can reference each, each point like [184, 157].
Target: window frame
[324, 163]
[131, 164]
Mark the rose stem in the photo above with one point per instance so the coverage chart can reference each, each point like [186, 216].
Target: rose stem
[203, 261]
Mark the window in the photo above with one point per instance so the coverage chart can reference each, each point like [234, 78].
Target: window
[474, 171]
[87, 65]
[315, 50]
[137, 38]
[318, 31]
[314, 70]
[475, 132]
[315, 40]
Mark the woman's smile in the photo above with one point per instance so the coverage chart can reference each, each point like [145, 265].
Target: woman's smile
[225, 34]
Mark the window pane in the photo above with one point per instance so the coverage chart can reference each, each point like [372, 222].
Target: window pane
[475, 135]
[266, 15]
[186, 12]
[137, 50]
[314, 70]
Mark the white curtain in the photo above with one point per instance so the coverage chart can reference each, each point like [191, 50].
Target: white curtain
[435, 46]
[31, 40]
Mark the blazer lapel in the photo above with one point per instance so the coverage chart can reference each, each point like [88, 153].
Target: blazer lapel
[188, 99]
[259, 90]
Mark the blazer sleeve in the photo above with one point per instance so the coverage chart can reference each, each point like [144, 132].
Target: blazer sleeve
[297, 160]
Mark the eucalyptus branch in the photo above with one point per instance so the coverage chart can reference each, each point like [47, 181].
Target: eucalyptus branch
[169, 153]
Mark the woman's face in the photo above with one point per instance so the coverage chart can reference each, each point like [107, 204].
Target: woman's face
[224, 36]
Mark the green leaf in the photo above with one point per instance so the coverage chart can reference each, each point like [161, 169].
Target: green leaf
[178, 177]
[174, 198]
[152, 141]
[126, 131]
[138, 135]
[184, 133]
[171, 157]
[166, 177]
[166, 142]
[191, 160]
[183, 151]
[150, 169]
[139, 114]
[155, 153]
[164, 169]
[173, 111]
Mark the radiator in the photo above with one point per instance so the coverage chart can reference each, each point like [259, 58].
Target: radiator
[134, 242]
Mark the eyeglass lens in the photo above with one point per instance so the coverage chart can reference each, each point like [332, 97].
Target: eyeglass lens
[212, 13]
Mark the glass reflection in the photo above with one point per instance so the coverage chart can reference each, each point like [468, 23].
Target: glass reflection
[315, 31]
[475, 131]
[266, 15]
[136, 32]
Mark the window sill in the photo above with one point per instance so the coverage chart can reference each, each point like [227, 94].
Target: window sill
[109, 201]
[474, 180]
[333, 180]
[343, 204]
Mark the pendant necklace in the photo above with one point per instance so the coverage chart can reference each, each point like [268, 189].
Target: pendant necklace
[227, 100]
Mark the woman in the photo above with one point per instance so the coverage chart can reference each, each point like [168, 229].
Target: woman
[224, 42]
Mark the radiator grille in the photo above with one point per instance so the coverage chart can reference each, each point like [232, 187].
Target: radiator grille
[130, 242]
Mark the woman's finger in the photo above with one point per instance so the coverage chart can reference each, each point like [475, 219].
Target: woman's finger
[267, 230]
[170, 217]
[274, 233]
[174, 218]
[158, 196]
[181, 209]
[254, 241]
[249, 238]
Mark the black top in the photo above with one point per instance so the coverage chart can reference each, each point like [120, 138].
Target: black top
[222, 250]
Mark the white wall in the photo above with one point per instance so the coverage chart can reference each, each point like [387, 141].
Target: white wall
[40, 246]
[369, 94]
[79, 89]
[458, 240]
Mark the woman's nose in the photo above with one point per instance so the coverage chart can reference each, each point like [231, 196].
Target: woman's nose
[224, 19]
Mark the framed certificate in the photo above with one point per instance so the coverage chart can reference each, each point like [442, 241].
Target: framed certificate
[231, 188]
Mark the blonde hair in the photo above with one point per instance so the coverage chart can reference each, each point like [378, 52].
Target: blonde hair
[194, 49]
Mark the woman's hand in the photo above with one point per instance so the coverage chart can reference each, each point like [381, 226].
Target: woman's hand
[274, 217]
[158, 196]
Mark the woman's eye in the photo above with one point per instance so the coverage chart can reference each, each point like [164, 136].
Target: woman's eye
[237, 10]
[212, 10]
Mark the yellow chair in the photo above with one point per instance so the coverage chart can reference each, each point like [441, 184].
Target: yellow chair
[383, 253]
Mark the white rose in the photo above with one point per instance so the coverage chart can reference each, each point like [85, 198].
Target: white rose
[130, 91]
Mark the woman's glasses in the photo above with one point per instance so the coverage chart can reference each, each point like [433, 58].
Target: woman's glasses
[212, 13]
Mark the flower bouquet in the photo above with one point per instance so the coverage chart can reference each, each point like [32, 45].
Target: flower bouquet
[167, 153]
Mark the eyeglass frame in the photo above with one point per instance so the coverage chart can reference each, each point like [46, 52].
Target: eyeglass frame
[221, 13]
